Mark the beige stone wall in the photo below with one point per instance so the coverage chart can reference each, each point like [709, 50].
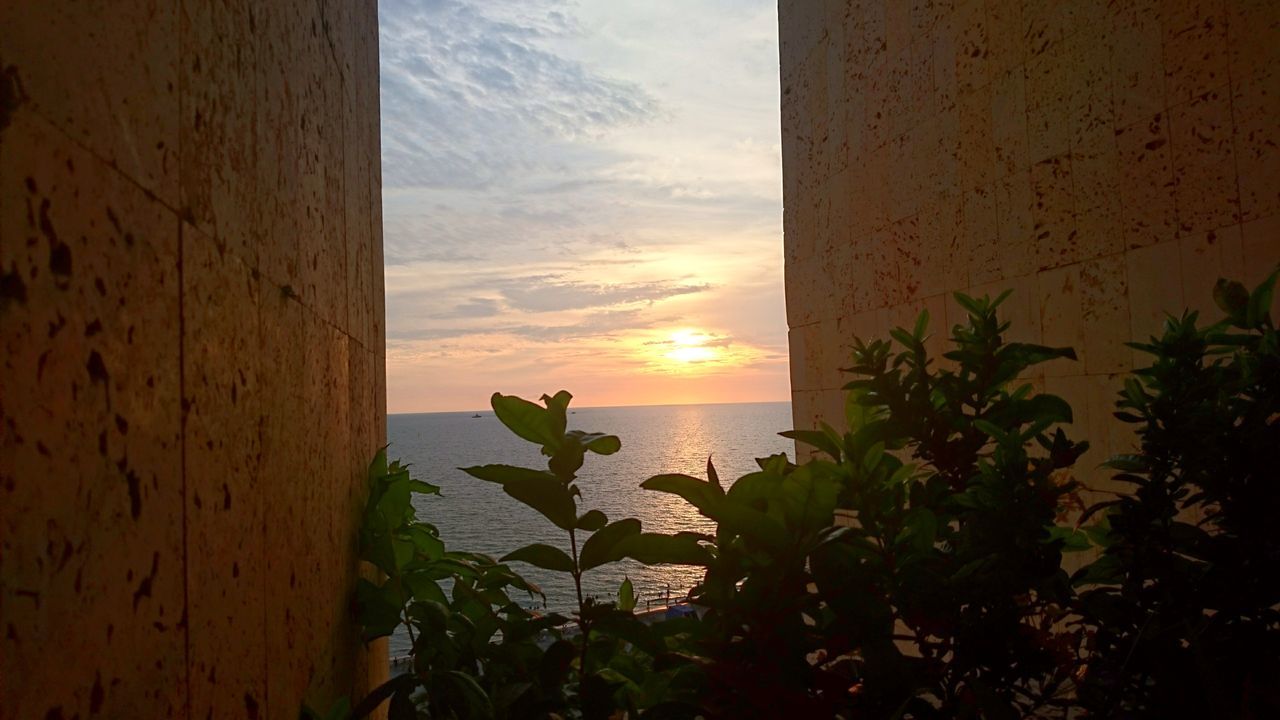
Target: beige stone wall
[192, 377]
[1107, 161]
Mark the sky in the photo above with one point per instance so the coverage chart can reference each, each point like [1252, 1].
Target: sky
[583, 196]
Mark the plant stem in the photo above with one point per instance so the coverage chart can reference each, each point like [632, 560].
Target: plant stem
[583, 627]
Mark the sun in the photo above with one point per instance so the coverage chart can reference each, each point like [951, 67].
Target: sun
[690, 346]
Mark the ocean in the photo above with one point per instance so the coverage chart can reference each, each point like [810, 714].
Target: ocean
[477, 516]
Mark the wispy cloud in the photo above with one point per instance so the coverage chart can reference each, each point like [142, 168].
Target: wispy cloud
[548, 294]
[468, 86]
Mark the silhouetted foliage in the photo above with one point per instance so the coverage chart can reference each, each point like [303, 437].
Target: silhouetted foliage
[937, 589]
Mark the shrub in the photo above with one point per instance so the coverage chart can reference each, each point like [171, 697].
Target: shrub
[943, 596]
[1183, 606]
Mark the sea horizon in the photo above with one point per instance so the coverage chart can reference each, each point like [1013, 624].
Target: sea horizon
[573, 408]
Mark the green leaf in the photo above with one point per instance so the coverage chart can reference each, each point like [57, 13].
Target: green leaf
[424, 488]
[1026, 354]
[466, 695]
[424, 587]
[378, 468]
[991, 429]
[1260, 301]
[378, 607]
[903, 337]
[1233, 298]
[921, 529]
[1073, 539]
[598, 443]
[601, 547]
[557, 405]
[543, 556]
[698, 493]
[713, 477]
[505, 473]
[922, 324]
[747, 521]
[970, 305]
[656, 549]
[816, 439]
[872, 457]
[526, 419]
[549, 497]
[1127, 463]
[539, 490]
[626, 596]
[592, 520]
[1049, 408]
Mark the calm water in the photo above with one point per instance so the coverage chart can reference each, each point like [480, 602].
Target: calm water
[477, 516]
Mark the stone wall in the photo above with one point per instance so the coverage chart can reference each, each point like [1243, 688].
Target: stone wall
[193, 368]
[1106, 161]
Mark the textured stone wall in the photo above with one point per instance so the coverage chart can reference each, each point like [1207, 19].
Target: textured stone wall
[1106, 161]
[192, 378]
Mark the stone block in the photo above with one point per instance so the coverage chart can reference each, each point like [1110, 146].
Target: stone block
[1053, 213]
[1195, 48]
[886, 285]
[106, 74]
[800, 278]
[1005, 36]
[1137, 61]
[1147, 186]
[834, 348]
[1048, 87]
[903, 180]
[981, 235]
[937, 264]
[1015, 228]
[1204, 258]
[1089, 84]
[798, 350]
[217, 173]
[1204, 163]
[975, 151]
[227, 495]
[90, 455]
[857, 267]
[1255, 105]
[1095, 181]
[972, 47]
[286, 161]
[798, 29]
[1155, 290]
[1104, 310]
[804, 414]
[942, 43]
[897, 26]
[1062, 318]
[1009, 122]
[869, 193]
[1253, 37]
[289, 585]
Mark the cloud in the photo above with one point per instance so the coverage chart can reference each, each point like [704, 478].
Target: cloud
[474, 93]
[546, 294]
[473, 308]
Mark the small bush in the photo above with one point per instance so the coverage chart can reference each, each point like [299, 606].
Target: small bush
[1183, 607]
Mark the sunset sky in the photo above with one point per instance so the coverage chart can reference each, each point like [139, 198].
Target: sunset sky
[582, 195]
